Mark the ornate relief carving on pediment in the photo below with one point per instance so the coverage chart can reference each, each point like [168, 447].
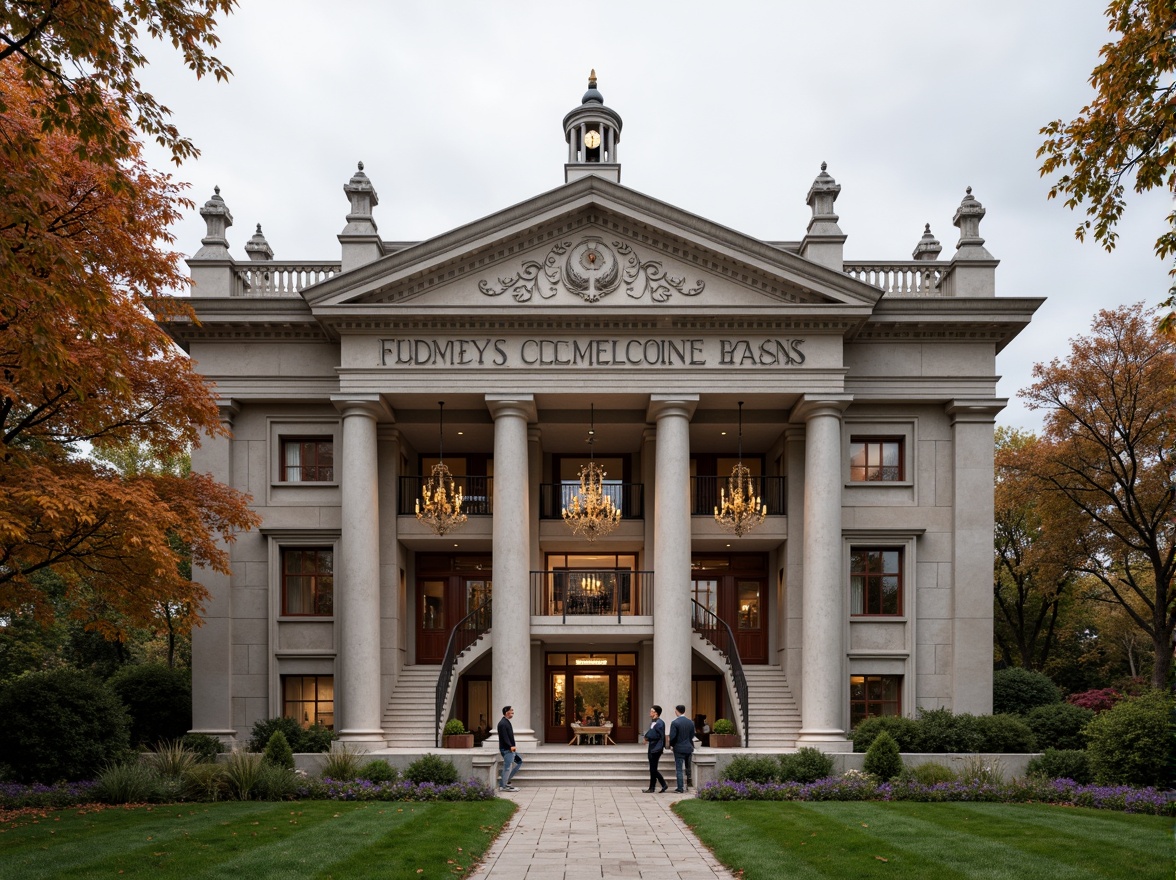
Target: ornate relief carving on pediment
[591, 270]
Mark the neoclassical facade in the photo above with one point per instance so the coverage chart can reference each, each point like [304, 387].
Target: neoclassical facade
[836, 416]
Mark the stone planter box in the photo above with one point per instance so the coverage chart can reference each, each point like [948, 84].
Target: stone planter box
[458, 741]
[724, 740]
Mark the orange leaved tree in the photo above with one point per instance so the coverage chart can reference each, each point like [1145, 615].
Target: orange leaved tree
[84, 366]
[1108, 453]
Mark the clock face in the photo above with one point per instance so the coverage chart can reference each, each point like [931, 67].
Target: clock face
[592, 140]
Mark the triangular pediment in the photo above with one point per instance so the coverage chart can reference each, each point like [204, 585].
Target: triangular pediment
[591, 244]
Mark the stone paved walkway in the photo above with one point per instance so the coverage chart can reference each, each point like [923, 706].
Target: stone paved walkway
[586, 833]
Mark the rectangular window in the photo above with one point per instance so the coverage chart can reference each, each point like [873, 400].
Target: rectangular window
[308, 460]
[309, 699]
[872, 695]
[875, 581]
[874, 460]
[308, 581]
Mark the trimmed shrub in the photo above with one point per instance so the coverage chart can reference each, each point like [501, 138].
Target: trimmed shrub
[132, 782]
[316, 739]
[203, 746]
[1097, 700]
[1059, 725]
[431, 768]
[882, 757]
[61, 725]
[267, 727]
[158, 699]
[1003, 733]
[902, 729]
[1061, 764]
[723, 727]
[806, 765]
[377, 770]
[278, 752]
[1016, 691]
[938, 730]
[753, 768]
[454, 727]
[1133, 742]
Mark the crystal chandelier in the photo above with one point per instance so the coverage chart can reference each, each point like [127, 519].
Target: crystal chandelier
[439, 506]
[591, 512]
[740, 510]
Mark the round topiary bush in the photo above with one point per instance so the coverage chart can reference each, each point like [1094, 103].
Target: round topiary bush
[1061, 764]
[1004, 733]
[158, 699]
[723, 727]
[1016, 691]
[431, 768]
[267, 727]
[882, 757]
[61, 725]
[902, 729]
[454, 727]
[377, 770]
[752, 768]
[806, 765]
[1133, 742]
[1059, 725]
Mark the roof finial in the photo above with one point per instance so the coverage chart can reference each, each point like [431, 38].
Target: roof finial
[824, 166]
[592, 78]
[361, 165]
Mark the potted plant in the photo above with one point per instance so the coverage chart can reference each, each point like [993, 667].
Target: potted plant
[723, 735]
[456, 736]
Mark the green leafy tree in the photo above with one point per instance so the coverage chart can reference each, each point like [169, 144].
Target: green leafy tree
[1127, 134]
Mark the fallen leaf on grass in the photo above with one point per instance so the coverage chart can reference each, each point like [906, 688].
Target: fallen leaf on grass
[881, 859]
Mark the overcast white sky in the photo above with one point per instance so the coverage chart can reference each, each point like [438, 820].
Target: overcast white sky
[729, 109]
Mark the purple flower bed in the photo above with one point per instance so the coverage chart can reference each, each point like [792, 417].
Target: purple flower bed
[859, 788]
[402, 790]
[16, 795]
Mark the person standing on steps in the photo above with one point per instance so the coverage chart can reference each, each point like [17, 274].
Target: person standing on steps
[682, 744]
[656, 737]
[511, 759]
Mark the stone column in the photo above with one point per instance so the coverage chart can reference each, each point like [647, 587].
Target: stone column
[971, 556]
[357, 573]
[392, 600]
[792, 610]
[823, 679]
[511, 628]
[671, 553]
[212, 643]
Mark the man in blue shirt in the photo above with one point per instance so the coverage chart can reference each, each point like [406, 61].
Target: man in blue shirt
[682, 743]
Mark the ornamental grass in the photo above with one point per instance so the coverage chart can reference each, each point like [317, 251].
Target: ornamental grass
[861, 787]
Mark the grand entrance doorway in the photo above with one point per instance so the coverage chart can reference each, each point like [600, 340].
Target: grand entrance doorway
[595, 689]
[734, 587]
[447, 589]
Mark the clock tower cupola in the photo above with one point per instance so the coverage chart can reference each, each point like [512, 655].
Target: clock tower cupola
[592, 132]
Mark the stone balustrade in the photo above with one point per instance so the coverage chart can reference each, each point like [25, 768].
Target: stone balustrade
[901, 277]
[273, 278]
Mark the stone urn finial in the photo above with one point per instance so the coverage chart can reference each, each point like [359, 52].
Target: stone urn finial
[928, 247]
[258, 248]
[217, 218]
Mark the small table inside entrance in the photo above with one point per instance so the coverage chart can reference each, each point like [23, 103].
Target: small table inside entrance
[579, 730]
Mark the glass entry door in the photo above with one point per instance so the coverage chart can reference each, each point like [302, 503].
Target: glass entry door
[593, 689]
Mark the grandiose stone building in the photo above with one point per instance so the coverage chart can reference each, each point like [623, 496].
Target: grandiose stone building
[859, 397]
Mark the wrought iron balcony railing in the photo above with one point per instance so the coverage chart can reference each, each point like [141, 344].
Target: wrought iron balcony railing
[704, 494]
[604, 592]
[626, 497]
[478, 492]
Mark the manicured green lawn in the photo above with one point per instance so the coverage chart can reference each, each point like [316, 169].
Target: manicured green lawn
[324, 839]
[907, 840]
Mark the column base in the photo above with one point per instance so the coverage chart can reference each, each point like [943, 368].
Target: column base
[825, 740]
[360, 736]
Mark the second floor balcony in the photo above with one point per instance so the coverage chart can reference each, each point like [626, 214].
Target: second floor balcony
[573, 594]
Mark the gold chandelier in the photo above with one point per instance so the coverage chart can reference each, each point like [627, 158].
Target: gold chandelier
[591, 512]
[740, 510]
[439, 506]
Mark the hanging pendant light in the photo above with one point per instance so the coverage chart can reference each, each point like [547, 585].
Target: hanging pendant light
[439, 506]
[740, 510]
[591, 512]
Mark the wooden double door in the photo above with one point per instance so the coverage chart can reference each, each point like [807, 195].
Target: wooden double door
[735, 588]
[447, 589]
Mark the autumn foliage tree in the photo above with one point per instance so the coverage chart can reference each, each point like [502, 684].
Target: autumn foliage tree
[84, 366]
[1127, 134]
[1109, 454]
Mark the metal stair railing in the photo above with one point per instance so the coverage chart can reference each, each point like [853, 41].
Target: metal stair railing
[718, 633]
[467, 631]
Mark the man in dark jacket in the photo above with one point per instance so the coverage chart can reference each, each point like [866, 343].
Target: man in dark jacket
[656, 737]
[682, 743]
[511, 760]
